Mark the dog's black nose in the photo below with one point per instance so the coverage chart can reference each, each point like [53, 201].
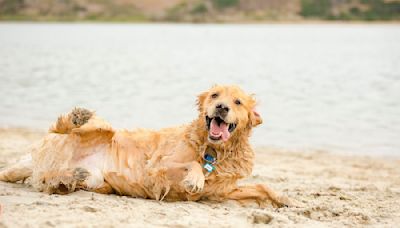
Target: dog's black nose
[222, 109]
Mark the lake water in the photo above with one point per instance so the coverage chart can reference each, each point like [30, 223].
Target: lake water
[332, 87]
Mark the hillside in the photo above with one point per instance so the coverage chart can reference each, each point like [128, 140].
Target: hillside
[199, 10]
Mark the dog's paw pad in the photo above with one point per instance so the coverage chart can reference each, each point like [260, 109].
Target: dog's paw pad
[80, 174]
[80, 116]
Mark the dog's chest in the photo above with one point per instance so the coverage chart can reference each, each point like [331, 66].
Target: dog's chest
[223, 168]
[227, 171]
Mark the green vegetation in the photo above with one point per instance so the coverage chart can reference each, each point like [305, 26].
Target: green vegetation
[176, 13]
[382, 10]
[315, 8]
[199, 10]
[10, 6]
[222, 4]
[348, 10]
[68, 10]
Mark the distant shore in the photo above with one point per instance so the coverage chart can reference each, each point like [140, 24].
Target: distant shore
[244, 22]
[201, 11]
[328, 190]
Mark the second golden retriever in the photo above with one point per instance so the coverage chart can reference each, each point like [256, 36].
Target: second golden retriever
[201, 160]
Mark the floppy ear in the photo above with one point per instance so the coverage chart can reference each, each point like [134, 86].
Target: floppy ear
[200, 100]
[255, 118]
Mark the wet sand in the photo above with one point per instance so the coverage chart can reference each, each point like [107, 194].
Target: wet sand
[328, 189]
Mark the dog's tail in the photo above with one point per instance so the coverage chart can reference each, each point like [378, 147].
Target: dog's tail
[66, 123]
[18, 171]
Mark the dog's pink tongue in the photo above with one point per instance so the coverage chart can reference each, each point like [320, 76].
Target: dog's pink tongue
[225, 132]
[220, 131]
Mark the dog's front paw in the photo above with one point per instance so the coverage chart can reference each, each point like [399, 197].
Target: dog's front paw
[193, 183]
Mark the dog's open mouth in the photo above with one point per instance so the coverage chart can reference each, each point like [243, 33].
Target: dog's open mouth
[218, 129]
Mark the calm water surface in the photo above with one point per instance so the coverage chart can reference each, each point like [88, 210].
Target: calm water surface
[333, 87]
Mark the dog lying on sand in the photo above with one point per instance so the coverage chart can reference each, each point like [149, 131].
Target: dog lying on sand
[202, 160]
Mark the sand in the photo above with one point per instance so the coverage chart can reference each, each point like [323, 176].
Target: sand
[328, 189]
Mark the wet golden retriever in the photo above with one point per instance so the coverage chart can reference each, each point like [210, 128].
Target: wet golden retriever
[201, 160]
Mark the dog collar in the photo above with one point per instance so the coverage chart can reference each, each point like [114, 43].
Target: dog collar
[209, 165]
[210, 160]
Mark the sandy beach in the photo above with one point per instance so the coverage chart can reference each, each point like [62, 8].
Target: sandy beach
[328, 190]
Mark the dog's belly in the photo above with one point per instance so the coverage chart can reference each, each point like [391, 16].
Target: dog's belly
[139, 164]
[94, 163]
[149, 186]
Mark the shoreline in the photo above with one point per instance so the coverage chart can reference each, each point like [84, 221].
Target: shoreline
[327, 189]
[290, 149]
[266, 22]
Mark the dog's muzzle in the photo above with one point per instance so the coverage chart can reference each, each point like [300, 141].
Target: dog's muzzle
[218, 128]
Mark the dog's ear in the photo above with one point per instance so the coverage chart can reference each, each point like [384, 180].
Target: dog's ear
[255, 118]
[200, 100]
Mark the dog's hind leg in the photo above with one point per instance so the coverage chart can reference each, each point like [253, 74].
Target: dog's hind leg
[70, 180]
[84, 123]
[64, 181]
[105, 188]
[259, 194]
[75, 119]
[18, 171]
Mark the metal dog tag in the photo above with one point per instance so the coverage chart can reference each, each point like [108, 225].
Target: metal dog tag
[209, 167]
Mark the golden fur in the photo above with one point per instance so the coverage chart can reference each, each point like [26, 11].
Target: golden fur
[82, 151]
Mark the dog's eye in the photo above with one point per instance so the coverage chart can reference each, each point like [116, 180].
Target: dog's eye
[238, 102]
[214, 95]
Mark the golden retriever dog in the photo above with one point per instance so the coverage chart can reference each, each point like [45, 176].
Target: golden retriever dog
[202, 160]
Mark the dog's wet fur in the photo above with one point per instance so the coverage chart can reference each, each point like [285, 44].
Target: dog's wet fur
[82, 151]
